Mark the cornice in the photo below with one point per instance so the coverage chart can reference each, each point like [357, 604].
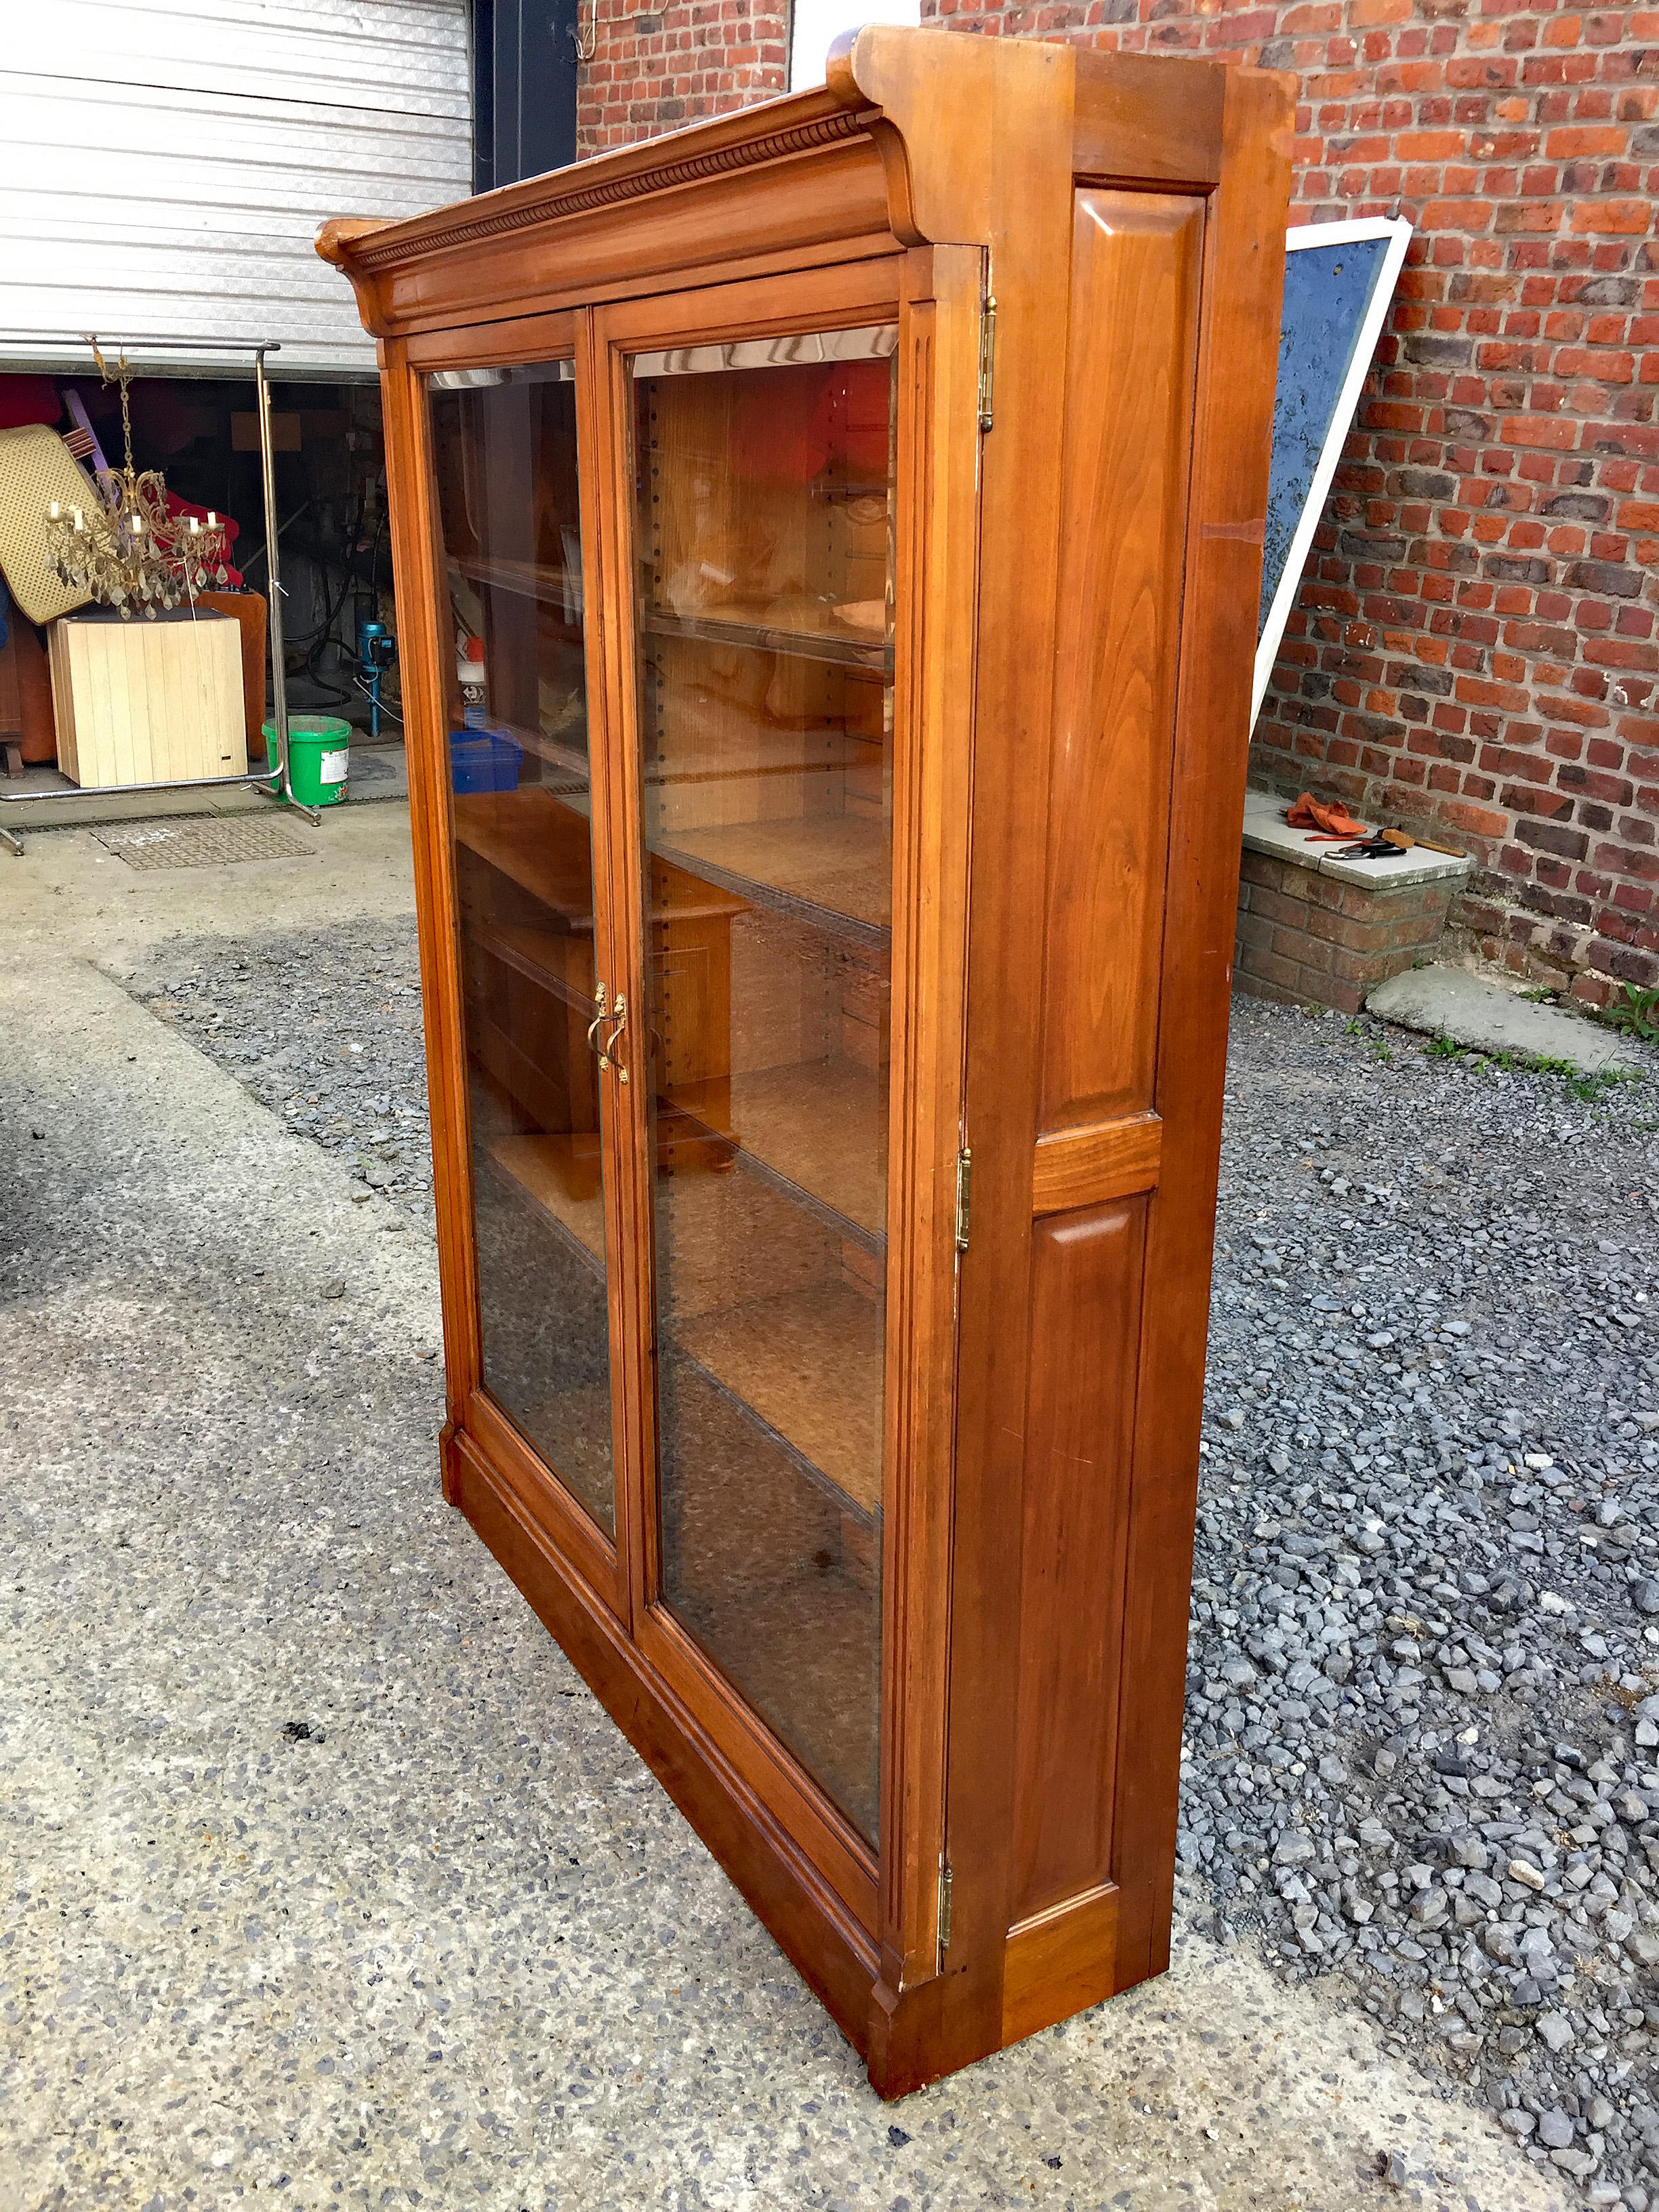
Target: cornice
[563, 193]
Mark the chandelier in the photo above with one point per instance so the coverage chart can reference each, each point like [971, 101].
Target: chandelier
[131, 551]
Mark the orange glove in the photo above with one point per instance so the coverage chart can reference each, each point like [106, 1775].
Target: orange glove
[1329, 816]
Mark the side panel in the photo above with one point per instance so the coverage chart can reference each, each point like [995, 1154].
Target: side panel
[1243, 274]
[1135, 263]
[1136, 266]
[1086, 1288]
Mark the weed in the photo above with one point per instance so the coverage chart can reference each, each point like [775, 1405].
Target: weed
[1634, 1013]
[1588, 1087]
[1591, 1087]
[1374, 1038]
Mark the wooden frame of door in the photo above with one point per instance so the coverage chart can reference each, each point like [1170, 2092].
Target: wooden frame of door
[892, 1894]
[418, 544]
[935, 294]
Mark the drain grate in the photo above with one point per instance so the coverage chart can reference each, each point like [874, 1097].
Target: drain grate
[202, 841]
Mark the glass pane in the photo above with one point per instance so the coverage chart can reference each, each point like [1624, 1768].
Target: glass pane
[505, 446]
[764, 543]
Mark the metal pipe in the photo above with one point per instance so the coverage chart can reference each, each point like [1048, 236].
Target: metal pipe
[167, 345]
[259, 780]
[273, 575]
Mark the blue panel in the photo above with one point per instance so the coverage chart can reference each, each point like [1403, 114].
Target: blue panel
[1328, 289]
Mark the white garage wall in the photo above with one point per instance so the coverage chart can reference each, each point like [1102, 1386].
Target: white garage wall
[164, 164]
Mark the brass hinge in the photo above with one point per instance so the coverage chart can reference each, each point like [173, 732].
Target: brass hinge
[944, 1908]
[964, 1195]
[987, 357]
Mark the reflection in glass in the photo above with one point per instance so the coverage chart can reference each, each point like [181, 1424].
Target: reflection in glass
[505, 450]
[765, 588]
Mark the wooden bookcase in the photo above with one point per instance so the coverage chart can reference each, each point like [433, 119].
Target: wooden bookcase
[858, 502]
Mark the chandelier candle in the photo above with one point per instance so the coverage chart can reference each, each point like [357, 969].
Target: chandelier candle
[135, 553]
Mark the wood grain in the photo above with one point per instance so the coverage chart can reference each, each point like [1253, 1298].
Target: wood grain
[825, 203]
[1059, 1962]
[1101, 1160]
[1139, 120]
[146, 701]
[1086, 1270]
[417, 570]
[1243, 274]
[1135, 265]
[936, 587]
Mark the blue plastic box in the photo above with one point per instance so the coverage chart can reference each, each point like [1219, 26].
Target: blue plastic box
[484, 760]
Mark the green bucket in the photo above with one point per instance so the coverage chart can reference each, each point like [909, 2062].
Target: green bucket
[319, 757]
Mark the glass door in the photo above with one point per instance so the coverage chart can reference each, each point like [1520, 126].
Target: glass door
[762, 575]
[535, 1014]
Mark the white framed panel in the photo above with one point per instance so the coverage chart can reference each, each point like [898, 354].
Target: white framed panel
[1338, 284]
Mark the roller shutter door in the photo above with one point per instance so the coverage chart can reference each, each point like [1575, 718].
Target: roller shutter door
[164, 164]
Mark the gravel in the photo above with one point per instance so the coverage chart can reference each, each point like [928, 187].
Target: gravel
[1422, 1762]
[322, 1028]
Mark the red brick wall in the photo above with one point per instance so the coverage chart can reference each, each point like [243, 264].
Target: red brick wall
[658, 69]
[1473, 648]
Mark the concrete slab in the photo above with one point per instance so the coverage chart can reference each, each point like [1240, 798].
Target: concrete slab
[1473, 1010]
[70, 897]
[324, 1874]
[1266, 830]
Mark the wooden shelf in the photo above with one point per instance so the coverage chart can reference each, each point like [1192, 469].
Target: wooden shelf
[541, 844]
[802, 629]
[536, 955]
[832, 870]
[570, 760]
[544, 1168]
[531, 579]
[816, 1131]
[809, 1366]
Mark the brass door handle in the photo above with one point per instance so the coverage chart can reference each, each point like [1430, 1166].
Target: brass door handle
[603, 1003]
[608, 1057]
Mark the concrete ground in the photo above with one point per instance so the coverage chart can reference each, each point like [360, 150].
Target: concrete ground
[325, 1877]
